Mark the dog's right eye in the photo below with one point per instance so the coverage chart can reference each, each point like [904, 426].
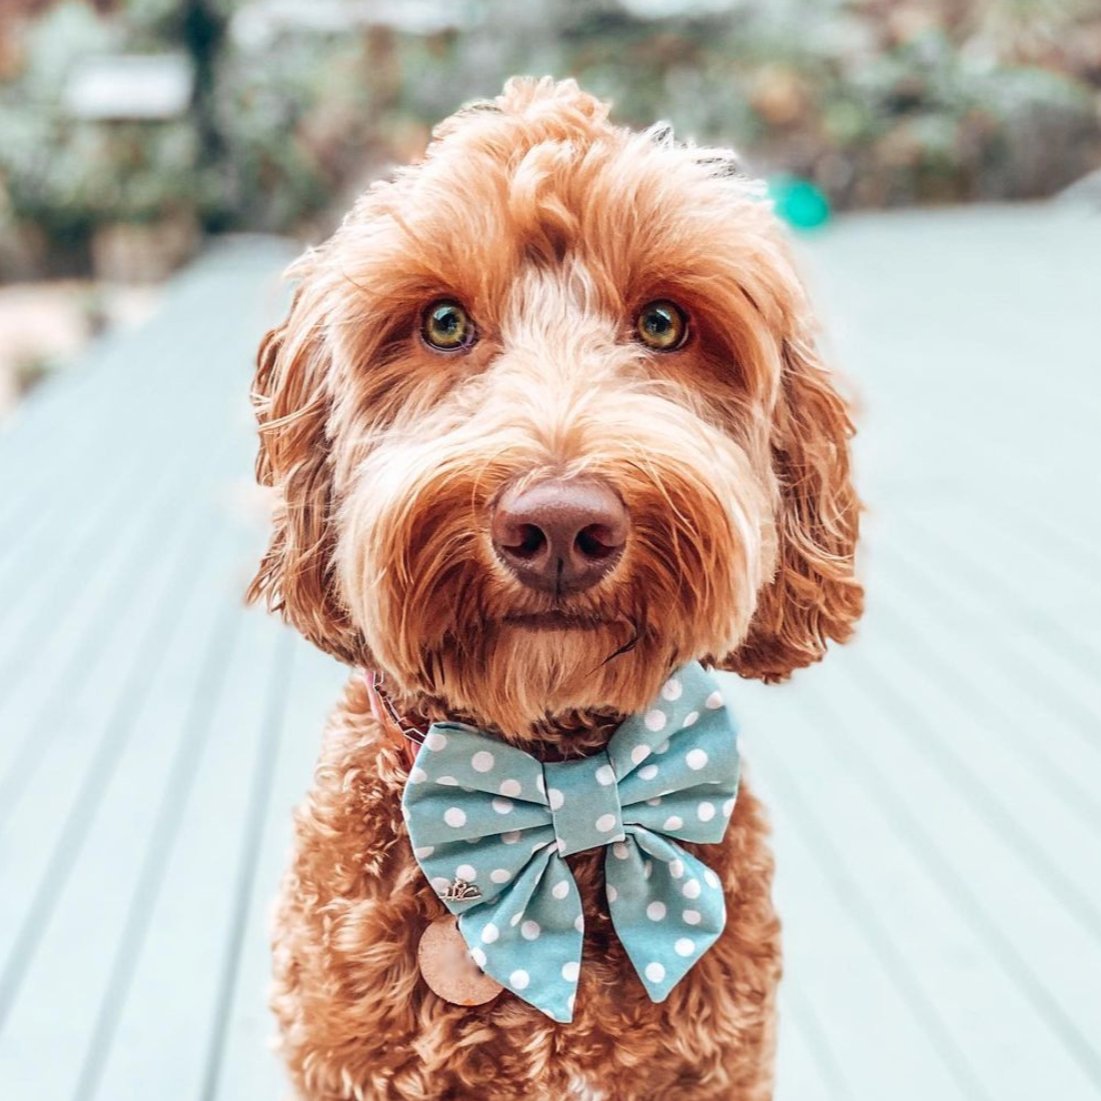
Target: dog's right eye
[661, 325]
[447, 326]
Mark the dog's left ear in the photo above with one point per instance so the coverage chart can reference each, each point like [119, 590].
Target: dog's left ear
[814, 595]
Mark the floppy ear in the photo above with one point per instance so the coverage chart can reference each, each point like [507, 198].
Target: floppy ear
[814, 595]
[291, 397]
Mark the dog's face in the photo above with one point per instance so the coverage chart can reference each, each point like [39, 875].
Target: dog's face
[546, 421]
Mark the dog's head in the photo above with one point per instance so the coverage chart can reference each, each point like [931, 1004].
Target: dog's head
[546, 420]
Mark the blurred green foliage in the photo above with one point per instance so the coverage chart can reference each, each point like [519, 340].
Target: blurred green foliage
[870, 102]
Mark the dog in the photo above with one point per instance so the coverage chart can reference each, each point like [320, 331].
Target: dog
[546, 422]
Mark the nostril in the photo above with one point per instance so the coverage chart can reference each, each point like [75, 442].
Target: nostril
[527, 542]
[597, 542]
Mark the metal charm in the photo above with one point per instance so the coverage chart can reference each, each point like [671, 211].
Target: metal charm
[460, 891]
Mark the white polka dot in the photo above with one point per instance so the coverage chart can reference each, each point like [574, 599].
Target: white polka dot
[619, 851]
[579, 923]
[655, 972]
[571, 970]
[467, 872]
[647, 869]
[530, 930]
[696, 759]
[560, 845]
[655, 802]
[501, 805]
[647, 772]
[605, 775]
[424, 852]
[490, 933]
[685, 946]
[655, 720]
[519, 979]
[690, 719]
[676, 867]
[728, 807]
[516, 919]
[447, 781]
[671, 689]
[714, 701]
[639, 754]
[691, 917]
[560, 889]
[663, 748]
[440, 884]
[478, 956]
[455, 817]
[712, 879]
[482, 761]
[655, 911]
[500, 875]
[605, 823]
[555, 798]
[571, 1001]
[511, 837]
[511, 788]
[691, 889]
[417, 775]
[435, 740]
[540, 783]
[673, 822]
[705, 811]
[613, 894]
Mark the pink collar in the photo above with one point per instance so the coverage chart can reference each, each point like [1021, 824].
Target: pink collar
[403, 734]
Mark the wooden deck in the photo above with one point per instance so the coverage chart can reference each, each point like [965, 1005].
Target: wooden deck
[935, 787]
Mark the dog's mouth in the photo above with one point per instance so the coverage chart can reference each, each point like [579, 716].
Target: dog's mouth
[559, 621]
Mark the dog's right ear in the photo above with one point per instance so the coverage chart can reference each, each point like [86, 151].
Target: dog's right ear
[292, 400]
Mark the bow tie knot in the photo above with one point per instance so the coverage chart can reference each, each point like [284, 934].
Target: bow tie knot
[490, 827]
[583, 797]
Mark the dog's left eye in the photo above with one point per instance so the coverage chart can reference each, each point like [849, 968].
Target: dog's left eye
[447, 326]
[661, 325]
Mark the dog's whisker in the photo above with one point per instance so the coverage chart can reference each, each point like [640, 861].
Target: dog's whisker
[626, 648]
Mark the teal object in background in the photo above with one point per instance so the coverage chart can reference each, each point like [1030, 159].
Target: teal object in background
[802, 204]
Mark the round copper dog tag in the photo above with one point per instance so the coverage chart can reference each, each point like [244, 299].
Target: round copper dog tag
[446, 966]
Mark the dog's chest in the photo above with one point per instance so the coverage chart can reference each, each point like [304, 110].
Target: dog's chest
[588, 873]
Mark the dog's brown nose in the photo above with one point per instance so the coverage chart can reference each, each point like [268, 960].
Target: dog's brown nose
[562, 535]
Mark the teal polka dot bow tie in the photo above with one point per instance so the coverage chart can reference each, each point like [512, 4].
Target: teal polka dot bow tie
[490, 826]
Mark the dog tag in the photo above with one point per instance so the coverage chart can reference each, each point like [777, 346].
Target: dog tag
[447, 968]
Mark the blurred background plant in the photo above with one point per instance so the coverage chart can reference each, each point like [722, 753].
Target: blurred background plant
[288, 104]
[129, 129]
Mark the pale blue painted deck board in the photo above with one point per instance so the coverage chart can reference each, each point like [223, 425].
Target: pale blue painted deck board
[981, 478]
[110, 703]
[961, 996]
[101, 853]
[186, 923]
[833, 959]
[933, 789]
[247, 1069]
